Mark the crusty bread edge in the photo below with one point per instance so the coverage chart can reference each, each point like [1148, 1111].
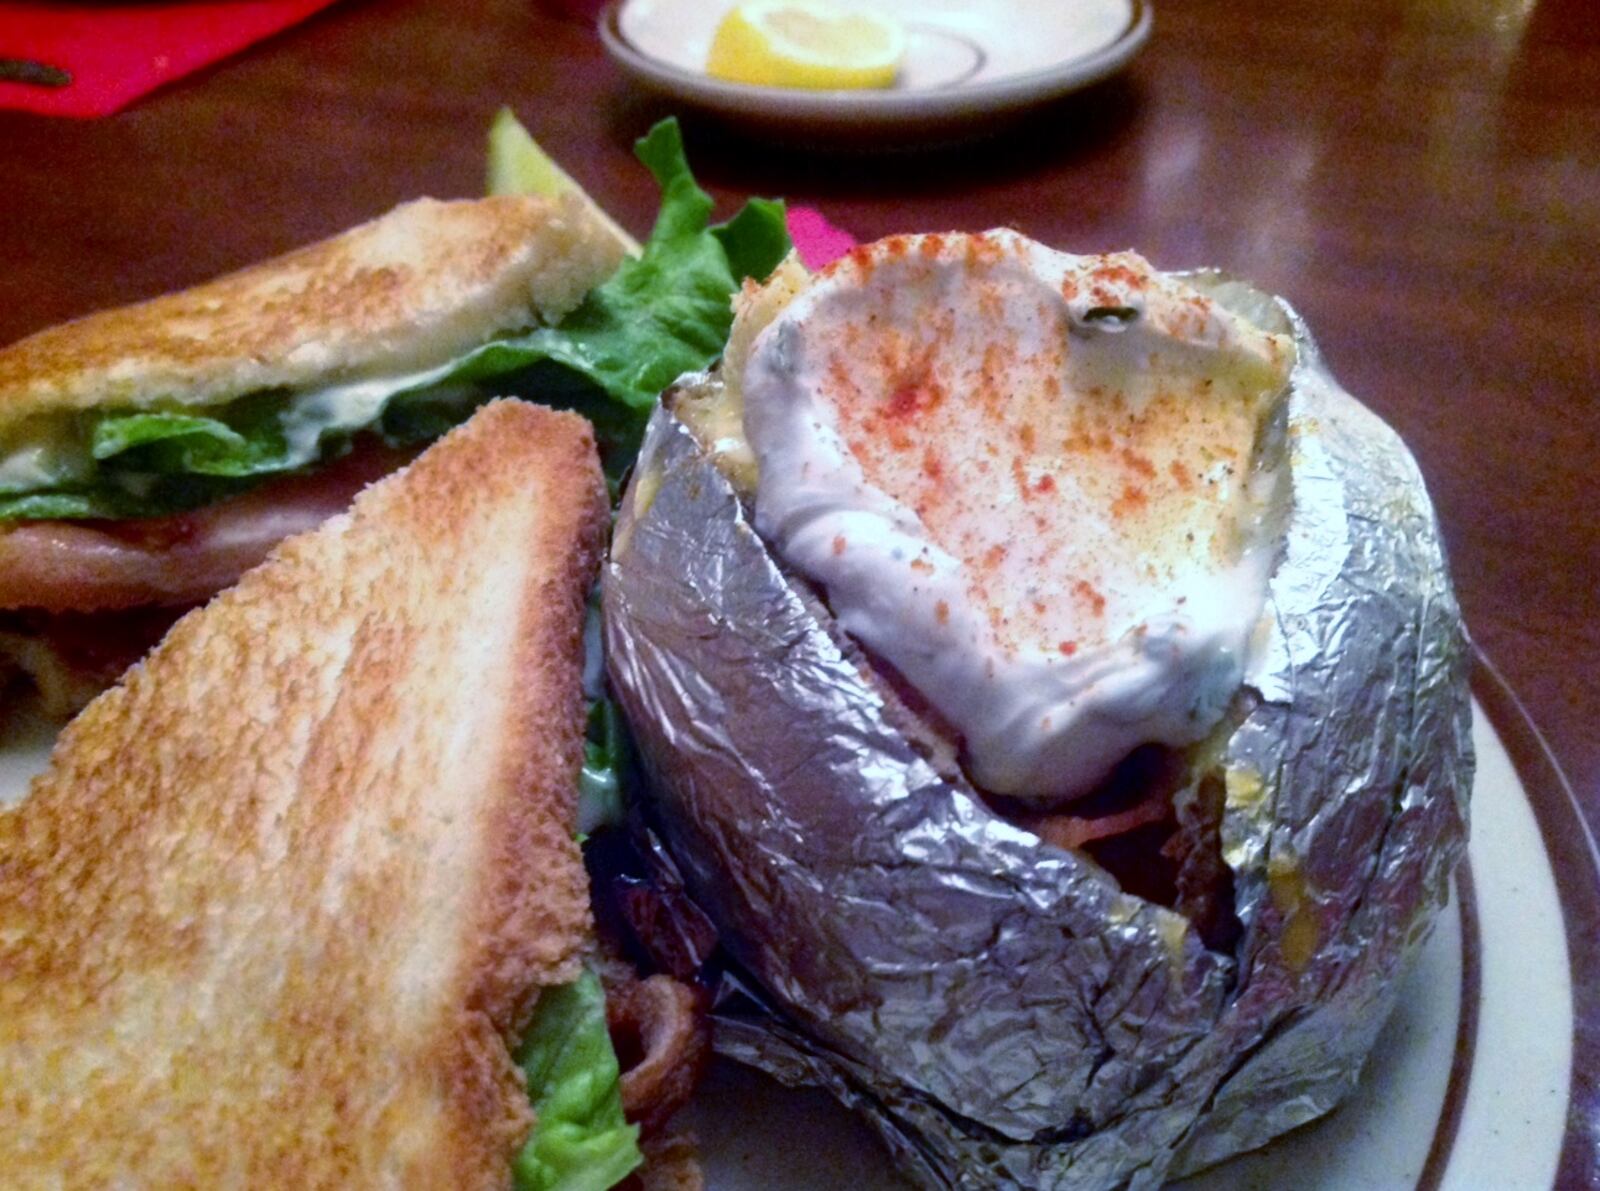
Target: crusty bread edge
[353, 304]
[514, 928]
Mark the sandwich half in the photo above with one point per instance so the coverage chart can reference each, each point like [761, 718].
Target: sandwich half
[289, 898]
[151, 454]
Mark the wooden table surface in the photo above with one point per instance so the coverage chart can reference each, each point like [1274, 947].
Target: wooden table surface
[1420, 177]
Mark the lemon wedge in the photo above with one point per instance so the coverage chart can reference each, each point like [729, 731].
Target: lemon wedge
[807, 44]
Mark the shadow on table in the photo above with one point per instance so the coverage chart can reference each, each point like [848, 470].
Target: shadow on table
[775, 160]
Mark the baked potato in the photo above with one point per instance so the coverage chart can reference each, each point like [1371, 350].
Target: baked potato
[1096, 974]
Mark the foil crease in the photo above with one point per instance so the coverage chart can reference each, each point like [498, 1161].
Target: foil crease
[997, 1008]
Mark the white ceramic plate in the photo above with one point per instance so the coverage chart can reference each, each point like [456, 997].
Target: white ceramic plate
[966, 63]
[1482, 1079]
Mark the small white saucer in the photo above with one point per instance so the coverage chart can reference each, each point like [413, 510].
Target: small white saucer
[966, 63]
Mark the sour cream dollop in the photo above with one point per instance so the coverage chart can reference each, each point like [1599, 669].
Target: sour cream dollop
[1038, 485]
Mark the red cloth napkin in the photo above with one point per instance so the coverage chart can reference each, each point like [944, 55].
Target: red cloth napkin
[817, 241]
[118, 52]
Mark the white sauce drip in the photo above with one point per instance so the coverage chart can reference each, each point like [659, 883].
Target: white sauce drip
[346, 408]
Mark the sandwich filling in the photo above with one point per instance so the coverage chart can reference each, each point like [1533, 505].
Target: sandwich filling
[580, 1139]
[1041, 487]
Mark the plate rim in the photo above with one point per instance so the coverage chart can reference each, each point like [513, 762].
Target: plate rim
[1447, 1127]
[1574, 857]
[876, 108]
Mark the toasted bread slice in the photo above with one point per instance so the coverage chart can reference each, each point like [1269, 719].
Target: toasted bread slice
[286, 895]
[411, 289]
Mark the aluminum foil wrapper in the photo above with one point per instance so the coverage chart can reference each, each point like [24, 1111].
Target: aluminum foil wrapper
[1000, 1011]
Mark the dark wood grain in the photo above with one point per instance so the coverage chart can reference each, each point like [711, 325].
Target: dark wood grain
[1421, 177]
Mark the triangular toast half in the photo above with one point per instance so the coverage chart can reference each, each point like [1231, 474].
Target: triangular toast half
[408, 290]
[285, 896]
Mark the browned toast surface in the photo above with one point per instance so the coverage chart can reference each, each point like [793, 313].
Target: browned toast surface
[410, 289]
[285, 895]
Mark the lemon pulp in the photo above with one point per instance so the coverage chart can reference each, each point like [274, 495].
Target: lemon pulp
[806, 44]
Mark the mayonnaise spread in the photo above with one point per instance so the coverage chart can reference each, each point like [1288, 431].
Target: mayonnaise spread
[1040, 486]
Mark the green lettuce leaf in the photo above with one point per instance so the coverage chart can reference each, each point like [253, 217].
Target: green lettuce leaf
[580, 1141]
[74, 506]
[156, 496]
[116, 435]
[600, 797]
[755, 240]
[242, 440]
[663, 313]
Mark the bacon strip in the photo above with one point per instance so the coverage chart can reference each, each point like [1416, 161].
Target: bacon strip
[1073, 831]
[92, 566]
[659, 1028]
